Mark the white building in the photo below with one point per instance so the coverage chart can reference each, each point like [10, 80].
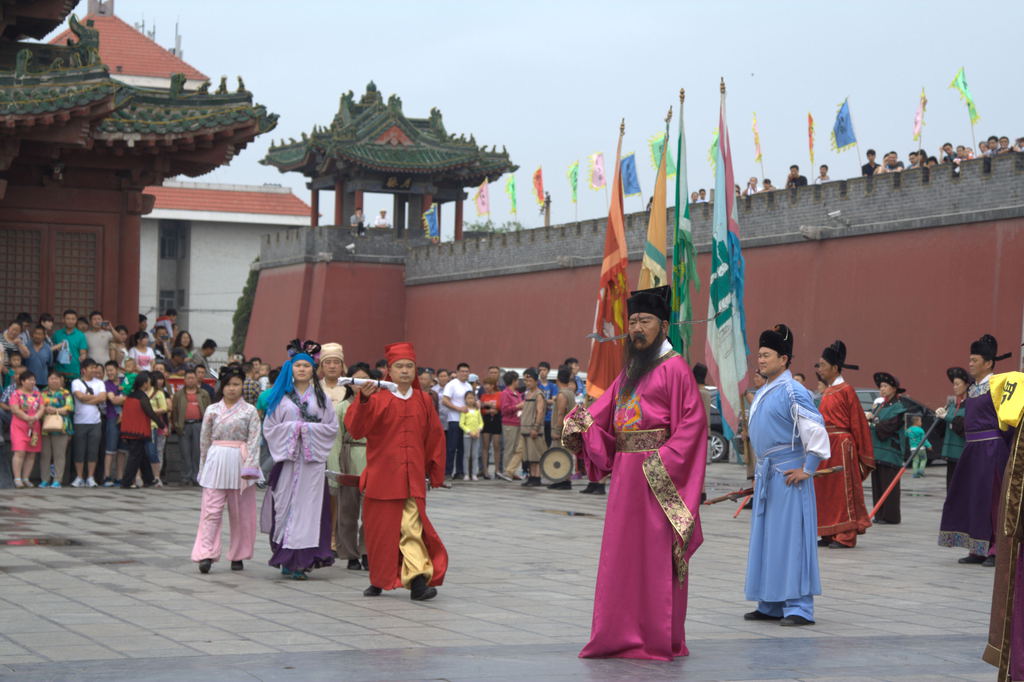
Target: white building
[198, 245]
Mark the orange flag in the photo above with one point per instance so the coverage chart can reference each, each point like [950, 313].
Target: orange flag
[610, 318]
[538, 186]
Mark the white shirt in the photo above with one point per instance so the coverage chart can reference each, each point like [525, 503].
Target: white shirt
[143, 358]
[87, 414]
[403, 396]
[818, 180]
[455, 391]
[381, 221]
[99, 344]
[839, 381]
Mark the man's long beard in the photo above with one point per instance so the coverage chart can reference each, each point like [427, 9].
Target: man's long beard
[640, 361]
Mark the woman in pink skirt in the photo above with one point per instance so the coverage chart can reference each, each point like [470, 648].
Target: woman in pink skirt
[26, 427]
[229, 448]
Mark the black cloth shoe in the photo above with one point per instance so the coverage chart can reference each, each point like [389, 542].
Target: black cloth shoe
[204, 565]
[758, 615]
[795, 620]
[372, 591]
[589, 490]
[824, 542]
[564, 485]
[598, 489]
[237, 566]
[419, 591]
[838, 545]
[354, 565]
[971, 559]
[532, 482]
[989, 561]
[366, 563]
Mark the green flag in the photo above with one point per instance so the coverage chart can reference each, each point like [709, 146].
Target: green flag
[960, 83]
[684, 255]
[574, 179]
[510, 190]
[657, 142]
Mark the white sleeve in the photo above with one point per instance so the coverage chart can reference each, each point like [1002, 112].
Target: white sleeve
[812, 434]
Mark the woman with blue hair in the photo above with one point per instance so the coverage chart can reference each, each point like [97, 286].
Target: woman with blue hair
[300, 428]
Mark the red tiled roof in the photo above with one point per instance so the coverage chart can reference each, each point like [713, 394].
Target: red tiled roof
[123, 46]
[228, 201]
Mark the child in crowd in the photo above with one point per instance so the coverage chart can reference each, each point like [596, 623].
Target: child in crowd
[472, 423]
[916, 434]
[116, 451]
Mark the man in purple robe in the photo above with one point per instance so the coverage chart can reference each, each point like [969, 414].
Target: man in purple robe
[300, 428]
[649, 431]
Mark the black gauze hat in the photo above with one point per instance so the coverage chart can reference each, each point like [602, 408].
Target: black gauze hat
[656, 301]
[987, 347]
[958, 373]
[886, 378]
[779, 338]
[836, 355]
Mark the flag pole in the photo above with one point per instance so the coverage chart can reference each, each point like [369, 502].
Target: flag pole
[974, 140]
[762, 167]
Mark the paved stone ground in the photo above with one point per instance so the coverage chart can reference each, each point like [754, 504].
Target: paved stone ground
[123, 601]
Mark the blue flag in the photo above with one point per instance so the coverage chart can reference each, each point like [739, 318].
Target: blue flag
[430, 227]
[630, 183]
[842, 131]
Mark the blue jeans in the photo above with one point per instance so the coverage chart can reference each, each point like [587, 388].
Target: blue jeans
[455, 451]
[112, 438]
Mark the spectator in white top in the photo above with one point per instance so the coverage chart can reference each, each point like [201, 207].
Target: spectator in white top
[822, 175]
[90, 395]
[702, 196]
[99, 337]
[454, 398]
[751, 187]
[141, 353]
[382, 220]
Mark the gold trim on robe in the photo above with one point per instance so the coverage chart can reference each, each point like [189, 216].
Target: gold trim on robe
[675, 509]
[575, 425]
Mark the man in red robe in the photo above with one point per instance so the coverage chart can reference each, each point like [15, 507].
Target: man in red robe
[842, 515]
[404, 447]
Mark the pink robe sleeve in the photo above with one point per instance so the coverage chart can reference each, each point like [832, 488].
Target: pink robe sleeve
[206, 436]
[685, 451]
[252, 441]
[595, 426]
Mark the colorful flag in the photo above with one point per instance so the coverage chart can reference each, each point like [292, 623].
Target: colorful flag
[810, 137]
[430, 227]
[842, 131]
[684, 255]
[538, 186]
[726, 352]
[610, 316]
[597, 178]
[510, 190]
[482, 199]
[654, 265]
[574, 179]
[919, 117]
[757, 141]
[712, 150]
[630, 182]
[657, 144]
[960, 83]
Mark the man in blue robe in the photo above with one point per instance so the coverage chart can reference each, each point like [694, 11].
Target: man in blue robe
[789, 438]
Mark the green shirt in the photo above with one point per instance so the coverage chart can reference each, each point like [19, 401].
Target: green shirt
[889, 450]
[76, 344]
[952, 443]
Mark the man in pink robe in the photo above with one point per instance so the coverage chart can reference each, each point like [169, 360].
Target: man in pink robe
[649, 431]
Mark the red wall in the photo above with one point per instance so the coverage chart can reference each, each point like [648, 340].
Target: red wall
[359, 305]
[905, 302]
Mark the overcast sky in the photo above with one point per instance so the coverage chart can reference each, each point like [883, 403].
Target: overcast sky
[550, 80]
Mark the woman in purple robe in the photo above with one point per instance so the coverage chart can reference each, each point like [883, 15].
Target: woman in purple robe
[973, 497]
[300, 428]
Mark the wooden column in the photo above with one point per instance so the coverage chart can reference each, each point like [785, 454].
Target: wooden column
[314, 208]
[339, 202]
[458, 219]
[128, 267]
[359, 200]
[398, 216]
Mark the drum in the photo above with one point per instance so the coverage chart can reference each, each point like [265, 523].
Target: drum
[556, 464]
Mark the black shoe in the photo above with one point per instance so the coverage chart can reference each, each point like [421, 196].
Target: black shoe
[533, 482]
[838, 545]
[354, 565]
[879, 522]
[261, 485]
[589, 490]
[598, 489]
[795, 621]
[989, 561]
[563, 485]
[419, 590]
[372, 591]
[237, 566]
[759, 615]
[366, 563]
[204, 565]
[972, 559]
[824, 542]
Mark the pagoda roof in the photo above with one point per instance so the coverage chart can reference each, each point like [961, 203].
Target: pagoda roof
[374, 136]
[129, 52]
[45, 88]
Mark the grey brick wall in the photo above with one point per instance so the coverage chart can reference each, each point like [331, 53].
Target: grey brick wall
[985, 189]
